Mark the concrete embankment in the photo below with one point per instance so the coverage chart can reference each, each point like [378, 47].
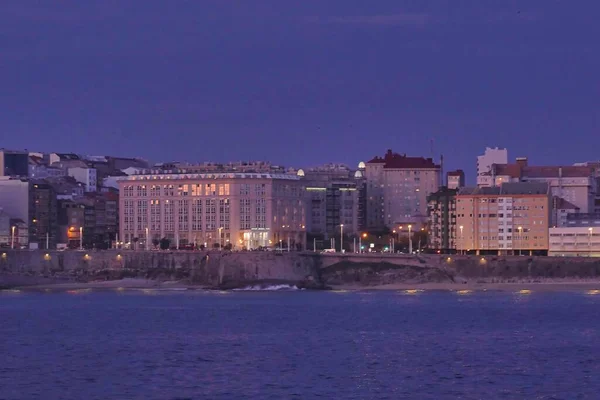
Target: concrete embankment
[227, 270]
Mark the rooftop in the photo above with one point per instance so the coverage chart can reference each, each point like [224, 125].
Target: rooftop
[169, 177]
[508, 188]
[402, 161]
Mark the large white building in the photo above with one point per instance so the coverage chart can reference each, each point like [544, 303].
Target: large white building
[484, 164]
[245, 210]
[397, 189]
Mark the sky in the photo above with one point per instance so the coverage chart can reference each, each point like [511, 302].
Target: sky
[302, 83]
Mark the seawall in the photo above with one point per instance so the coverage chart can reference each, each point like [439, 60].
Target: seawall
[226, 270]
[208, 269]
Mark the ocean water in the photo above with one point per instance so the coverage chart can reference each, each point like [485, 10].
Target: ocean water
[299, 345]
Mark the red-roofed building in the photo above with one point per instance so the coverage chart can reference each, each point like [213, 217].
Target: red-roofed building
[397, 189]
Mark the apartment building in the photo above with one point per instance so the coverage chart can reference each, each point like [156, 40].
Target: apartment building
[442, 220]
[397, 187]
[333, 199]
[576, 185]
[513, 218]
[243, 210]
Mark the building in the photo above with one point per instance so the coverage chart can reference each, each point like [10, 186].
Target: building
[575, 242]
[455, 179]
[14, 163]
[333, 195]
[5, 229]
[561, 209]
[575, 184]
[511, 219]
[397, 189]
[484, 163]
[87, 176]
[595, 166]
[442, 220]
[34, 203]
[243, 210]
[43, 215]
[90, 221]
[586, 220]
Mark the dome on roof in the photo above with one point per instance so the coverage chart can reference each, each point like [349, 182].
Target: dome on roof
[300, 172]
[361, 165]
[358, 174]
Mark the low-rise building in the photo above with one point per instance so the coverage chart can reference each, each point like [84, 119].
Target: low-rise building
[14, 163]
[243, 210]
[575, 242]
[511, 219]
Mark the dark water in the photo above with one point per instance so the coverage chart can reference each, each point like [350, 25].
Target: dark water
[304, 345]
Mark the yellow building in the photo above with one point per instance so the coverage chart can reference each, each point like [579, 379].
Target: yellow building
[511, 219]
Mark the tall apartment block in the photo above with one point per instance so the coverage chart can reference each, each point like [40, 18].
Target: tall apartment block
[442, 220]
[513, 218]
[397, 187]
[244, 210]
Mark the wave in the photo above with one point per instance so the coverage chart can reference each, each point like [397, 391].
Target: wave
[267, 288]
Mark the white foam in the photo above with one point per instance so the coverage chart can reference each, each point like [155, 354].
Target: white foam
[269, 288]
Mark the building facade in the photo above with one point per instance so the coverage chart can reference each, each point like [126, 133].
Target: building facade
[397, 187]
[442, 220]
[575, 242]
[14, 163]
[333, 195]
[455, 179]
[245, 211]
[484, 163]
[87, 176]
[511, 219]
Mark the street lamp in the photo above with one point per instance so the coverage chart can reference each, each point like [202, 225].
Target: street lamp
[360, 237]
[590, 230]
[12, 240]
[520, 228]
[81, 238]
[462, 241]
[409, 239]
[341, 238]
[220, 237]
[394, 241]
[147, 239]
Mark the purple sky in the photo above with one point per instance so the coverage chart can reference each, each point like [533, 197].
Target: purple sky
[302, 82]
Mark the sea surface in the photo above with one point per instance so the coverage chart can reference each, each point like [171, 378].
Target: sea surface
[299, 345]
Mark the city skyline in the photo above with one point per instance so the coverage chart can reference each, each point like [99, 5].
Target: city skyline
[302, 85]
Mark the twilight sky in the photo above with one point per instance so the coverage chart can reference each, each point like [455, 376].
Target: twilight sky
[302, 82]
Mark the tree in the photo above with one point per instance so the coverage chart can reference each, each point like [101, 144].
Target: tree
[135, 240]
[216, 245]
[155, 242]
[228, 247]
[164, 243]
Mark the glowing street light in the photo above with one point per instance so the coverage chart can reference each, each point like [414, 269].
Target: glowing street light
[409, 239]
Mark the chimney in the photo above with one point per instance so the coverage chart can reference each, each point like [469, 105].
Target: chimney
[521, 161]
